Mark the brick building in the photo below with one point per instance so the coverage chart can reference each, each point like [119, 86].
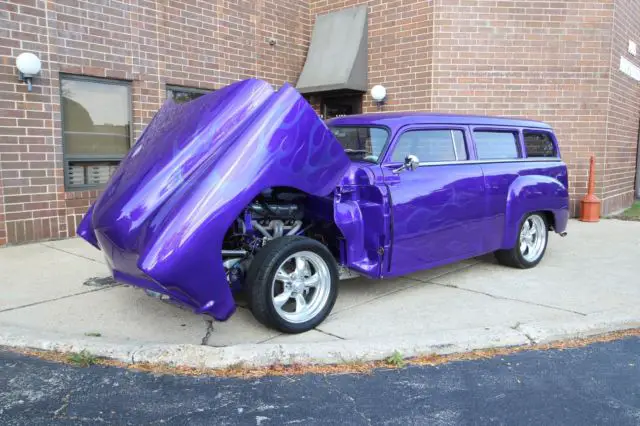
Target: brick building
[108, 65]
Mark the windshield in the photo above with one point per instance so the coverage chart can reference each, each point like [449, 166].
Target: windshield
[364, 143]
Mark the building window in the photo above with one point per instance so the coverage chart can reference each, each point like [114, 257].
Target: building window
[184, 94]
[496, 145]
[539, 144]
[96, 128]
[431, 146]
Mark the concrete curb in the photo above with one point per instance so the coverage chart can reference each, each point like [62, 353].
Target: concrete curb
[339, 351]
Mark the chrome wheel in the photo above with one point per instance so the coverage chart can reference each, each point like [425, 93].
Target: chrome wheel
[301, 287]
[533, 238]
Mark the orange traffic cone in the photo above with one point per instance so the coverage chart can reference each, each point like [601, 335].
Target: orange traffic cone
[590, 204]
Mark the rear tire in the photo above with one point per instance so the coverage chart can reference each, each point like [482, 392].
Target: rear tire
[530, 244]
[292, 284]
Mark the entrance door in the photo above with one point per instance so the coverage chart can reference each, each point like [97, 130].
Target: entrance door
[438, 208]
[339, 105]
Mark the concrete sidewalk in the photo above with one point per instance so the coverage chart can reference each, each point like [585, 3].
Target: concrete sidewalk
[58, 295]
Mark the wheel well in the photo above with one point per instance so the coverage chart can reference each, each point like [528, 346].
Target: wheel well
[550, 218]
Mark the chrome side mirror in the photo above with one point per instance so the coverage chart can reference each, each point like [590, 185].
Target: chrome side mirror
[411, 162]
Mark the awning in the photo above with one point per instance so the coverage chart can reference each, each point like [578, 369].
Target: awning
[337, 58]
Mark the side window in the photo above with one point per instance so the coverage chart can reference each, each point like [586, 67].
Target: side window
[496, 145]
[431, 146]
[96, 128]
[539, 144]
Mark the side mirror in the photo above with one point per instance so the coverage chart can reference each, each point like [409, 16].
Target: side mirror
[411, 162]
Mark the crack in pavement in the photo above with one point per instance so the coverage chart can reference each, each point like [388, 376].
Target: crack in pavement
[347, 396]
[64, 406]
[72, 254]
[516, 327]
[493, 296]
[62, 412]
[205, 339]
[59, 298]
[330, 334]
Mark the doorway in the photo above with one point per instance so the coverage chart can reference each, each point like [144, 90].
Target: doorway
[341, 104]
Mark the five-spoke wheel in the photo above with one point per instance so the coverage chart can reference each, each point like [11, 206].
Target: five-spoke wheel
[530, 245]
[292, 284]
[301, 287]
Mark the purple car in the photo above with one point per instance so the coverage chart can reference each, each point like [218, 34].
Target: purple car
[247, 189]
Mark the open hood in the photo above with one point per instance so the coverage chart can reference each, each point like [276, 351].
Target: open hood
[163, 215]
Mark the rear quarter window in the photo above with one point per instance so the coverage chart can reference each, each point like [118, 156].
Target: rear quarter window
[539, 144]
[496, 145]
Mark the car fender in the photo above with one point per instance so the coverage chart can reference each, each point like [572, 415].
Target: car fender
[532, 193]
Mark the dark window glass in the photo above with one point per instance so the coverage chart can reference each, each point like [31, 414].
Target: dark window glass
[539, 144]
[182, 95]
[431, 146]
[361, 142]
[340, 106]
[95, 128]
[496, 145]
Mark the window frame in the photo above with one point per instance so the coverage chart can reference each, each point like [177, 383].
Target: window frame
[66, 158]
[426, 127]
[516, 131]
[186, 89]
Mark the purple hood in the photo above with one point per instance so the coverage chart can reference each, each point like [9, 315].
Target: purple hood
[163, 216]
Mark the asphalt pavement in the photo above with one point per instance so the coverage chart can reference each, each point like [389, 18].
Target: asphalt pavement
[595, 385]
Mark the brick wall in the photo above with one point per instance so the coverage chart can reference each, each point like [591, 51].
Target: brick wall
[555, 61]
[150, 43]
[3, 229]
[617, 168]
[545, 60]
[400, 45]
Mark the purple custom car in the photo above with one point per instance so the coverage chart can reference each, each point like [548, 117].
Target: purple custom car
[247, 189]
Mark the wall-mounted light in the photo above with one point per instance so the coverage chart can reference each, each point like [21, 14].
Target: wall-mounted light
[379, 95]
[29, 66]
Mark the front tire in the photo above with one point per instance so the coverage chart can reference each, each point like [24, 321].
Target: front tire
[292, 284]
[530, 245]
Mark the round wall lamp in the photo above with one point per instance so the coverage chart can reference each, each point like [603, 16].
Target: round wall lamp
[29, 66]
[379, 94]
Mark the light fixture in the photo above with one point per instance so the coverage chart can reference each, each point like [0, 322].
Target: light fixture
[379, 94]
[29, 66]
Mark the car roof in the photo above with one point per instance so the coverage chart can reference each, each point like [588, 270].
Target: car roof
[395, 120]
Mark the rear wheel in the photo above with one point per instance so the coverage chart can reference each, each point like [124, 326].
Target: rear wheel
[293, 284]
[531, 244]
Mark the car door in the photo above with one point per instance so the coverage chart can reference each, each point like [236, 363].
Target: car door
[438, 208]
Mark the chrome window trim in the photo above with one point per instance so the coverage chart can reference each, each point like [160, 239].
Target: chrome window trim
[514, 160]
[453, 141]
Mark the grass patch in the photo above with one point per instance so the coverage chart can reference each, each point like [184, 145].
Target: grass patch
[83, 358]
[633, 212]
[396, 360]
